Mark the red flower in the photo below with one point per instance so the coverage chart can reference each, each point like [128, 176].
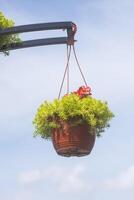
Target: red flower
[82, 92]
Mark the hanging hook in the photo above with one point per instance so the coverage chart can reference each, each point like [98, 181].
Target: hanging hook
[71, 32]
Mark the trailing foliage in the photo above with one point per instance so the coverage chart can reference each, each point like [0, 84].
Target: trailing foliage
[5, 41]
[94, 112]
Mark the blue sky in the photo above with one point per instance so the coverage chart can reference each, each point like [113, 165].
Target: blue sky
[29, 167]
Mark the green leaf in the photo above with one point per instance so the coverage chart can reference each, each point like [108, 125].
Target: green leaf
[5, 41]
[90, 110]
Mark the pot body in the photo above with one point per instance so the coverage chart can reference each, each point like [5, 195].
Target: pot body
[71, 140]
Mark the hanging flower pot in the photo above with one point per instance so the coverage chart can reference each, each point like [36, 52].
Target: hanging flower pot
[72, 140]
[72, 123]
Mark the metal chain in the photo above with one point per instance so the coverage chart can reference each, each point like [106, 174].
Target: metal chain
[67, 72]
[79, 66]
[66, 69]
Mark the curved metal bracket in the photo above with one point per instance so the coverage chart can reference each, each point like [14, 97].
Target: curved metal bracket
[69, 26]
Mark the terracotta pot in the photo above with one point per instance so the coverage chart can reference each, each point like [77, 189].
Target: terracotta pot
[73, 140]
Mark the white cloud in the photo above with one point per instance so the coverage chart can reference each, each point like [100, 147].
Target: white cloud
[65, 179]
[21, 195]
[30, 177]
[72, 179]
[123, 181]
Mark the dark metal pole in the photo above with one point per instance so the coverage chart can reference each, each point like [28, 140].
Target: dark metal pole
[36, 27]
[39, 42]
[69, 26]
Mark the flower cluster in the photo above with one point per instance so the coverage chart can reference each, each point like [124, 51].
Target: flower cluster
[83, 91]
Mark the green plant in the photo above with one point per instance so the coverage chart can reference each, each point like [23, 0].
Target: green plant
[6, 40]
[90, 110]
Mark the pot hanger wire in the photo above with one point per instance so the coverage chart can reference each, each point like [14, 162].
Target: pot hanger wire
[79, 66]
[66, 71]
